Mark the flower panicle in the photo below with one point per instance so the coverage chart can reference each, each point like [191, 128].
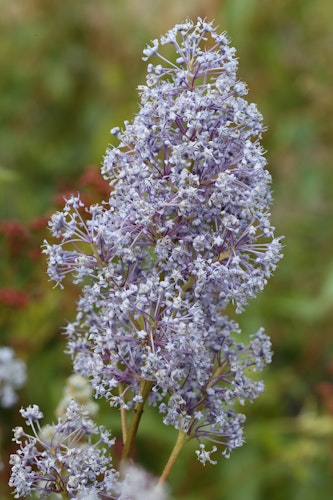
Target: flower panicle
[185, 233]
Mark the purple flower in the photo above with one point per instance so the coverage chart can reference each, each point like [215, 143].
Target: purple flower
[185, 233]
[62, 458]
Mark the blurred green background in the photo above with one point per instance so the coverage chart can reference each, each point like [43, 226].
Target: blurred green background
[69, 72]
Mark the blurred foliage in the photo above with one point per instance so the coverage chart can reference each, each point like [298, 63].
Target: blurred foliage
[69, 72]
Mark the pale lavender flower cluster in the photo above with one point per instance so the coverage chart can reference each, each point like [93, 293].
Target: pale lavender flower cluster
[12, 376]
[185, 233]
[72, 458]
[139, 485]
[62, 458]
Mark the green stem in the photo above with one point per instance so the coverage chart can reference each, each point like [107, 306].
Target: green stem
[123, 414]
[182, 438]
[123, 424]
[134, 425]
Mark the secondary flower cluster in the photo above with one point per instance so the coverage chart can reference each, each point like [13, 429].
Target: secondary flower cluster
[12, 376]
[185, 233]
[62, 458]
[66, 459]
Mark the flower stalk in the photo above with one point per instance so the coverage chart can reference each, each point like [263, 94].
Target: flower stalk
[182, 438]
[135, 421]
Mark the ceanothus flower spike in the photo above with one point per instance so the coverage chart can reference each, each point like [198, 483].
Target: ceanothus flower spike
[185, 233]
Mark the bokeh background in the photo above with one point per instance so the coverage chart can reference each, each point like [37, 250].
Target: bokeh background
[69, 72]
